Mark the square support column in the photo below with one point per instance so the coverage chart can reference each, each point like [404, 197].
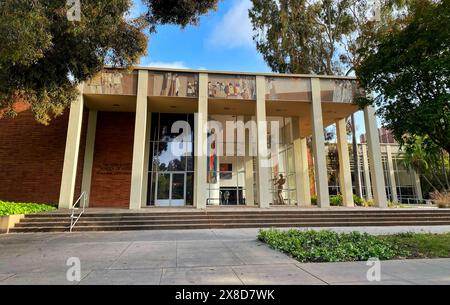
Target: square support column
[320, 165]
[138, 171]
[345, 175]
[368, 183]
[376, 166]
[68, 180]
[89, 155]
[263, 161]
[391, 173]
[248, 160]
[301, 166]
[201, 142]
[147, 158]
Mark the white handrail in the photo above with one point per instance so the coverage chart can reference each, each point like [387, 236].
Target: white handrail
[74, 219]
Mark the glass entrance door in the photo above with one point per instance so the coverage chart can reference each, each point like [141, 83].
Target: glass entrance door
[171, 189]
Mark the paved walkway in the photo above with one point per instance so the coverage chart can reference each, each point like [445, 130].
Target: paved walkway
[191, 257]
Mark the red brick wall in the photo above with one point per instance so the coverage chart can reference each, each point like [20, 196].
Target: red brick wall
[113, 155]
[32, 156]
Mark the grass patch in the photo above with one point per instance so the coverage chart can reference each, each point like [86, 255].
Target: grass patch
[329, 246]
[421, 245]
[13, 208]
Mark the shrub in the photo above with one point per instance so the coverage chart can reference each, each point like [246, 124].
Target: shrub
[314, 200]
[13, 208]
[442, 199]
[358, 201]
[329, 246]
[369, 203]
[336, 201]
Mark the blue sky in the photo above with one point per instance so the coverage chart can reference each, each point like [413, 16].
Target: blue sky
[221, 41]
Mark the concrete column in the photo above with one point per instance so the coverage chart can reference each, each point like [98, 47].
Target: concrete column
[391, 173]
[320, 165]
[201, 142]
[147, 159]
[366, 173]
[263, 162]
[248, 165]
[376, 166]
[138, 171]
[345, 175]
[89, 155]
[68, 179]
[301, 166]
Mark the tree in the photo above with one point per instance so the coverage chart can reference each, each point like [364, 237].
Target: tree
[426, 158]
[296, 36]
[409, 69]
[44, 55]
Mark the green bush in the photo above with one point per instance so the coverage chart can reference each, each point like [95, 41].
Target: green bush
[329, 246]
[13, 208]
[358, 201]
[336, 201]
[314, 200]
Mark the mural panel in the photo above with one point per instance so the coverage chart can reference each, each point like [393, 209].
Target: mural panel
[232, 87]
[173, 84]
[339, 90]
[113, 82]
[288, 89]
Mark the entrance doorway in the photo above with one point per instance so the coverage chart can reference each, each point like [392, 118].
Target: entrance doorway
[170, 189]
[171, 161]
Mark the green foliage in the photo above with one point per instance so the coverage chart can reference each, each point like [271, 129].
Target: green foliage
[336, 201]
[329, 246]
[314, 200]
[299, 36]
[182, 12]
[429, 161]
[13, 208]
[358, 200]
[323, 37]
[409, 68]
[421, 245]
[44, 55]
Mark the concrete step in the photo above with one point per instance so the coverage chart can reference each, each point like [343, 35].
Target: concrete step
[112, 217]
[150, 220]
[193, 220]
[224, 225]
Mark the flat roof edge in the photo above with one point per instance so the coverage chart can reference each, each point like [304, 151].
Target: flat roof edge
[234, 72]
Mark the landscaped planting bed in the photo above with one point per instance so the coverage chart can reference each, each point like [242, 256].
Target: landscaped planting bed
[14, 208]
[329, 246]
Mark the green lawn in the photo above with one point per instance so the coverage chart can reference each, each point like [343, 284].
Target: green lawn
[13, 208]
[329, 246]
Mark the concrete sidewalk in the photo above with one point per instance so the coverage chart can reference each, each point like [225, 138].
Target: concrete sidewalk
[192, 257]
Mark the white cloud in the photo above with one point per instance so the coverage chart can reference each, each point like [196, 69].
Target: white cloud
[164, 64]
[235, 29]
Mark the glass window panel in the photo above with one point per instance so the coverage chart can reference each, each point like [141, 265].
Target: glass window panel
[163, 187]
[177, 186]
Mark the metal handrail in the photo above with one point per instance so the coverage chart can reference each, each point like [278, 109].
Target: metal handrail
[74, 219]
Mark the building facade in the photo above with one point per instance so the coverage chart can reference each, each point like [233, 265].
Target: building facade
[402, 183]
[160, 137]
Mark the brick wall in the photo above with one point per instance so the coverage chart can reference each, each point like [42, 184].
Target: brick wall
[113, 154]
[32, 156]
